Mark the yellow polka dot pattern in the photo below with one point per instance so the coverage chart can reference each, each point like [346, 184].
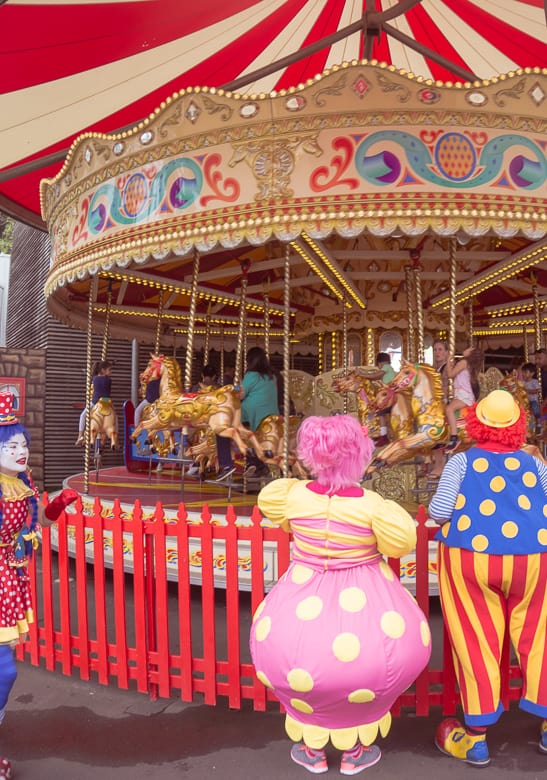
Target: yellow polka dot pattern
[264, 680]
[479, 542]
[263, 628]
[464, 522]
[310, 608]
[300, 680]
[259, 610]
[352, 599]
[460, 501]
[529, 479]
[511, 464]
[346, 647]
[487, 507]
[542, 536]
[393, 624]
[480, 465]
[497, 484]
[425, 633]
[510, 529]
[361, 695]
[301, 706]
[301, 574]
[524, 502]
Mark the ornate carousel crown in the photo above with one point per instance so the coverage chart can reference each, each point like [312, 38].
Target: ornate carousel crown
[6, 409]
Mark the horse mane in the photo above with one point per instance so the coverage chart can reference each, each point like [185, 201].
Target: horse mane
[173, 370]
[434, 377]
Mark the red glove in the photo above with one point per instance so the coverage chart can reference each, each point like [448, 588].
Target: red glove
[60, 502]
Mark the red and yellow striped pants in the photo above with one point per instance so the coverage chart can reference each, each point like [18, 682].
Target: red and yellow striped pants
[481, 594]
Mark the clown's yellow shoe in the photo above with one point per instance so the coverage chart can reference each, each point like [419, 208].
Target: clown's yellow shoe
[453, 740]
[543, 738]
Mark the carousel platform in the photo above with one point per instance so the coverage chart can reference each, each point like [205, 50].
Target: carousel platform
[168, 487]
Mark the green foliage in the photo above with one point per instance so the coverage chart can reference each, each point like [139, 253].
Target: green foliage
[6, 234]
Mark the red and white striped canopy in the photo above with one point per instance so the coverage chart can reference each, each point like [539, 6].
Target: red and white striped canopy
[70, 67]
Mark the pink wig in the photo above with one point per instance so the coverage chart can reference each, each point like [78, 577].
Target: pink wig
[335, 450]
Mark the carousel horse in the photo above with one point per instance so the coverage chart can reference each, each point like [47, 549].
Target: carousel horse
[513, 385]
[366, 391]
[103, 423]
[271, 435]
[415, 396]
[217, 408]
[204, 452]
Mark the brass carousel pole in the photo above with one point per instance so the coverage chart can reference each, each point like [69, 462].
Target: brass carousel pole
[333, 350]
[92, 294]
[537, 337]
[221, 369]
[470, 324]
[410, 351]
[158, 324]
[416, 273]
[286, 356]
[107, 321]
[191, 324]
[238, 373]
[207, 336]
[452, 305]
[525, 343]
[345, 349]
[266, 298]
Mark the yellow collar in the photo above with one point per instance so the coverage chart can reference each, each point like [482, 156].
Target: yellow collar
[13, 488]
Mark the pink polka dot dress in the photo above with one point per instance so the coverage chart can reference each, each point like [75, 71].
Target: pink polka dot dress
[15, 594]
[338, 638]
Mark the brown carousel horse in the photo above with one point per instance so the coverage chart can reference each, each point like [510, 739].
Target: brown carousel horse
[418, 417]
[103, 423]
[217, 408]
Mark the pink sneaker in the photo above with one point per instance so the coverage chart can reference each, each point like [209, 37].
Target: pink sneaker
[361, 757]
[315, 761]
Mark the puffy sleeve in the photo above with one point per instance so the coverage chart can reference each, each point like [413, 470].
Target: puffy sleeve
[393, 527]
[273, 501]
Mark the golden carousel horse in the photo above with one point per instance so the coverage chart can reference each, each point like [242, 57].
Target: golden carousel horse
[271, 437]
[217, 408]
[366, 391]
[103, 423]
[418, 417]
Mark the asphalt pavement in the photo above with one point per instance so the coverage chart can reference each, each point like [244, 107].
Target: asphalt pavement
[61, 728]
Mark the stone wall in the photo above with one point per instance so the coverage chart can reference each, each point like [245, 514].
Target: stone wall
[30, 365]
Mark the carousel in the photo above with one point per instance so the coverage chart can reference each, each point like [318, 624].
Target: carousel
[364, 209]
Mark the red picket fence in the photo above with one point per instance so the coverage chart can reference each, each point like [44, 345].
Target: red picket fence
[125, 620]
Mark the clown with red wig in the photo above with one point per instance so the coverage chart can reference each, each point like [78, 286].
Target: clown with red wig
[338, 638]
[491, 503]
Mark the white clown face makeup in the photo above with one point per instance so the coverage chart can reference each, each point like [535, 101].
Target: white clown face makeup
[14, 455]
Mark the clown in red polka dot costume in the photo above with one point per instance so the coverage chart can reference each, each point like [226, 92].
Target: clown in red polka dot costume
[19, 513]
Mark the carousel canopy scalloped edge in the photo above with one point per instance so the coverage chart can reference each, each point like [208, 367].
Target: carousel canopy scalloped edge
[361, 147]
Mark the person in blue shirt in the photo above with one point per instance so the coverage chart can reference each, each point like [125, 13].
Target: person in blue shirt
[101, 383]
[259, 394]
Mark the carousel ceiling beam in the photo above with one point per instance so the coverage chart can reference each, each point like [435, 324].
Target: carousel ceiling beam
[209, 294]
[377, 276]
[235, 271]
[403, 254]
[497, 274]
[334, 268]
[121, 293]
[514, 307]
[316, 265]
[180, 316]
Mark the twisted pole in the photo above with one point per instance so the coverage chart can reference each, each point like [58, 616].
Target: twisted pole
[410, 350]
[157, 340]
[286, 356]
[452, 259]
[191, 323]
[88, 379]
[417, 278]
[106, 333]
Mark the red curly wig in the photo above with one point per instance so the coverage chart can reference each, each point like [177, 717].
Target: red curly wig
[512, 436]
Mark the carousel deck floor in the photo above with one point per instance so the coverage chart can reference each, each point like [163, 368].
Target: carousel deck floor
[117, 482]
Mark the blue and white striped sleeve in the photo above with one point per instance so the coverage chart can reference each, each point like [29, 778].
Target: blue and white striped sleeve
[542, 470]
[443, 502]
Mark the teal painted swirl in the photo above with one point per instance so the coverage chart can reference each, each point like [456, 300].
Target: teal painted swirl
[456, 162]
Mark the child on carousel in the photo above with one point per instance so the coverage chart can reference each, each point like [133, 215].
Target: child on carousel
[20, 513]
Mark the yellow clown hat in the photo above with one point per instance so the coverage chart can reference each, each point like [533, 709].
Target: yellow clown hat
[498, 409]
